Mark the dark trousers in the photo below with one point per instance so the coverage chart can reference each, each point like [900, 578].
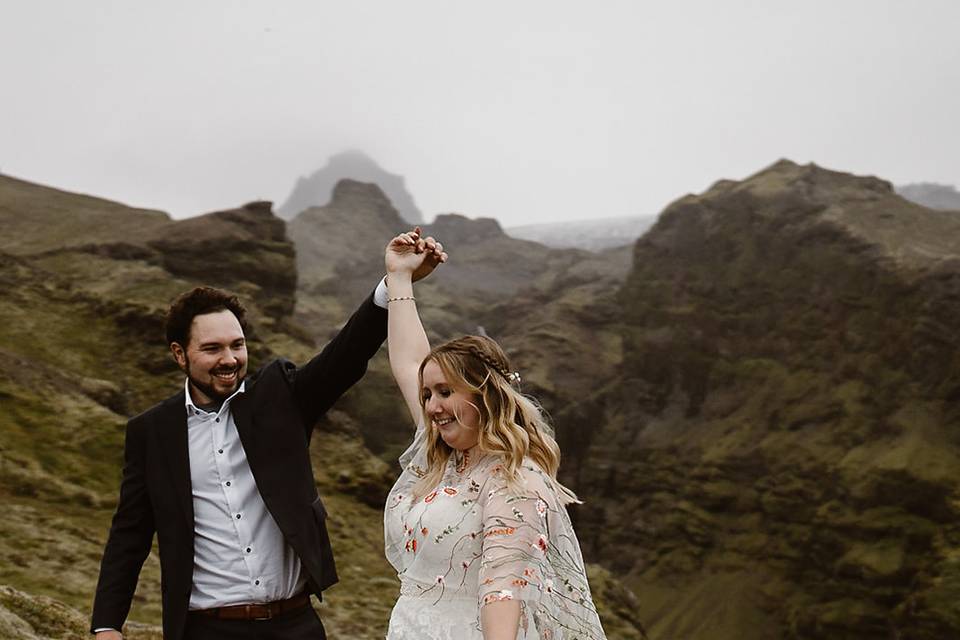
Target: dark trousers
[303, 624]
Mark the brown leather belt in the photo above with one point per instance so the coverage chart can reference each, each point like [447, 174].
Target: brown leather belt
[264, 611]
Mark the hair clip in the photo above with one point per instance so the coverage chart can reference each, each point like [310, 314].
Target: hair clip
[514, 377]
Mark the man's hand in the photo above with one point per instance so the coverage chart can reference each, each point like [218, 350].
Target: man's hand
[434, 256]
[412, 254]
[109, 635]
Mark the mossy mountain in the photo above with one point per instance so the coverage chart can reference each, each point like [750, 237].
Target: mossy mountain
[777, 455]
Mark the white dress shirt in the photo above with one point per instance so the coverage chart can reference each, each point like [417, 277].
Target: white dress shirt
[239, 553]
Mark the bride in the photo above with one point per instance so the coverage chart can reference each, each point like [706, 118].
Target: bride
[476, 525]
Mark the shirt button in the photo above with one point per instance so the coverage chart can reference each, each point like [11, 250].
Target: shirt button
[238, 516]
[257, 582]
[227, 483]
[218, 419]
[219, 450]
[248, 549]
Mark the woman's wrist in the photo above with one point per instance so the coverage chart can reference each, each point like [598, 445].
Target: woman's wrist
[399, 283]
[402, 275]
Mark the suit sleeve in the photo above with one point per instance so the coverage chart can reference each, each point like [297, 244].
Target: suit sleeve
[319, 383]
[130, 539]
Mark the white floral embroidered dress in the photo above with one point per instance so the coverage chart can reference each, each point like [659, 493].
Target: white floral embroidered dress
[473, 540]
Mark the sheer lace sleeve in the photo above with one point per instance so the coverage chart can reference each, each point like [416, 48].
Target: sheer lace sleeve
[413, 462]
[530, 553]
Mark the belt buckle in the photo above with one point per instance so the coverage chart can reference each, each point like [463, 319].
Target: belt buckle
[251, 608]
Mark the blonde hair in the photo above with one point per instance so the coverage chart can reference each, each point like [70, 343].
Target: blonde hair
[512, 425]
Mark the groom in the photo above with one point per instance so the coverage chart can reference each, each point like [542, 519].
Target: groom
[221, 473]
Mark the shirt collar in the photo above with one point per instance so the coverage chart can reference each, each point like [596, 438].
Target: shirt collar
[194, 409]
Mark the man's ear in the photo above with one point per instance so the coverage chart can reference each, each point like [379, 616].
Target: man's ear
[179, 355]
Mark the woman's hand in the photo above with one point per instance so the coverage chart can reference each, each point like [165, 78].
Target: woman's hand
[409, 253]
[405, 253]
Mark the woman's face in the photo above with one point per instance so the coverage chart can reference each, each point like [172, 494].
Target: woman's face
[451, 412]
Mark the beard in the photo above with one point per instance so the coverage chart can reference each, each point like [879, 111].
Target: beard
[210, 390]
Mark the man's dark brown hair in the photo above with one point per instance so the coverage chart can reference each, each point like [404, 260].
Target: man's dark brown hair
[198, 302]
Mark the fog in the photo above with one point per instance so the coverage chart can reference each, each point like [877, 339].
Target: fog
[525, 111]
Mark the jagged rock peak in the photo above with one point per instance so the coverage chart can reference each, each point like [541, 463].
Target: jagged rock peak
[316, 190]
[252, 221]
[454, 226]
[347, 190]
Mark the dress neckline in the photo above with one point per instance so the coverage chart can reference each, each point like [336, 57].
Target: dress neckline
[466, 459]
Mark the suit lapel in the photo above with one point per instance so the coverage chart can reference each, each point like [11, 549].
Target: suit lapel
[242, 419]
[177, 448]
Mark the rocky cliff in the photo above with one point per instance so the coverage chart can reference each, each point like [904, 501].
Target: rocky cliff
[777, 454]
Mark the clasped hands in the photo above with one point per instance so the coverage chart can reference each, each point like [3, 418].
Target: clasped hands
[409, 253]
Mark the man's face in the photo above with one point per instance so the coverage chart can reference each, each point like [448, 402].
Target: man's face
[215, 359]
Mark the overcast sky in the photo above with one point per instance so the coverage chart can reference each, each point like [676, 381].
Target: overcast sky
[526, 111]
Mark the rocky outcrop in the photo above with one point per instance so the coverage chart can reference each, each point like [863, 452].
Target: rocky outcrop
[317, 189]
[459, 229]
[27, 617]
[348, 234]
[340, 253]
[233, 249]
[119, 254]
[777, 455]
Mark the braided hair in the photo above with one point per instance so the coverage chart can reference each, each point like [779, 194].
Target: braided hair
[492, 356]
[511, 425]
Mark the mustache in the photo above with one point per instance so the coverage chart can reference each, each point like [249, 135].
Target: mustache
[225, 370]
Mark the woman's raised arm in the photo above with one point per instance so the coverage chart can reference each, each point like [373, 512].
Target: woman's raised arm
[407, 256]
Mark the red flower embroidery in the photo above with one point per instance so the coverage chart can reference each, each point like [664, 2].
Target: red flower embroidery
[503, 594]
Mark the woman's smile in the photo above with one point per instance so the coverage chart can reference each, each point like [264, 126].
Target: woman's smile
[451, 411]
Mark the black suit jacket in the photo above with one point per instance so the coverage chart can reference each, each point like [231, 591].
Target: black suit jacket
[274, 417]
